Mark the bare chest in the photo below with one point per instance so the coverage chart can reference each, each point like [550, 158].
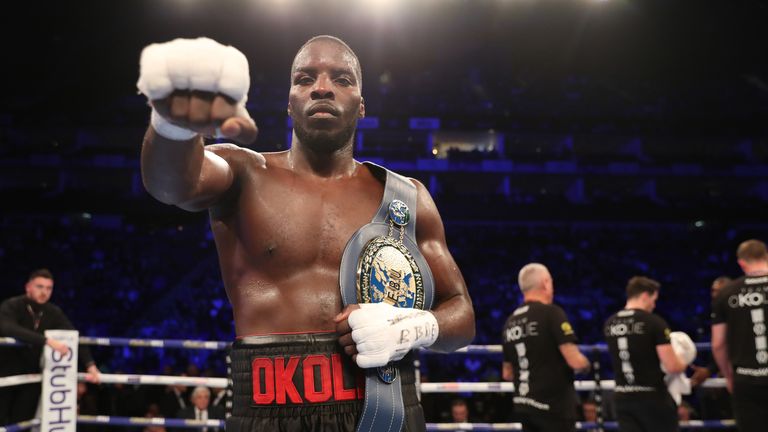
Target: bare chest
[290, 222]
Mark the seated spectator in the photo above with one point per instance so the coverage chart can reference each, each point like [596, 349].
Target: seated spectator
[459, 411]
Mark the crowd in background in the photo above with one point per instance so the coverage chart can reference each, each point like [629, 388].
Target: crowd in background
[631, 144]
[120, 279]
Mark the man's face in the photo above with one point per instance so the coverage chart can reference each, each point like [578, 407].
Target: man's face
[590, 412]
[201, 400]
[460, 413]
[325, 100]
[39, 289]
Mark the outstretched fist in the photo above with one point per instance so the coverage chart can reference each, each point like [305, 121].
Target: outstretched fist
[197, 86]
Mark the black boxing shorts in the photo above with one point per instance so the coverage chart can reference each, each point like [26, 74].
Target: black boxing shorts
[304, 382]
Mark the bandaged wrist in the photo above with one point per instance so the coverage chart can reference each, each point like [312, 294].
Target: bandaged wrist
[418, 329]
[384, 333]
[169, 130]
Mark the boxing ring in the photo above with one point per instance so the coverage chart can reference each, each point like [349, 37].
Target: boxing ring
[596, 385]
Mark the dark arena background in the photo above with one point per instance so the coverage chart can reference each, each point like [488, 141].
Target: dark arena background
[604, 139]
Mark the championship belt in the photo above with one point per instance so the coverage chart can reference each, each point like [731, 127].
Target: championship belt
[382, 263]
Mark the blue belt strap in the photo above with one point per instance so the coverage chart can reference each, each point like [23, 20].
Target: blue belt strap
[383, 409]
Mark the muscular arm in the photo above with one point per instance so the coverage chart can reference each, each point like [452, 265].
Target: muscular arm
[720, 352]
[575, 359]
[670, 360]
[453, 307]
[183, 173]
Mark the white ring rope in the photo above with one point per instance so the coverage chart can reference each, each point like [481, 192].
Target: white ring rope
[426, 387]
[508, 387]
[159, 380]
[126, 379]
[20, 379]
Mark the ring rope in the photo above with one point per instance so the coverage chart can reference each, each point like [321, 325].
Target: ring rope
[611, 425]
[126, 379]
[508, 387]
[20, 379]
[445, 387]
[149, 421]
[159, 421]
[220, 345]
[497, 349]
[25, 425]
[425, 387]
[153, 343]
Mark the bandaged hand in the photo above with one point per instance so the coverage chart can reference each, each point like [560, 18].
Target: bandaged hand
[380, 333]
[196, 86]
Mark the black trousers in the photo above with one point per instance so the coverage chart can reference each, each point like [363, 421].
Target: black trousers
[646, 413]
[18, 403]
[750, 406]
[546, 422]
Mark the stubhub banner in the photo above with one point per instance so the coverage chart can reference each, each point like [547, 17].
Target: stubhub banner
[59, 396]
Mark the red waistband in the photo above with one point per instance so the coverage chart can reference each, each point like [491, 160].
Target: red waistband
[284, 333]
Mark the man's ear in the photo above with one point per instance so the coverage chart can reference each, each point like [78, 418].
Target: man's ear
[362, 108]
[742, 264]
[288, 110]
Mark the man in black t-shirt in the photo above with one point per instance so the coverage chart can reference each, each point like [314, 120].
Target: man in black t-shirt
[26, 318]
[739, 340]
[540, 356]
[640, 347]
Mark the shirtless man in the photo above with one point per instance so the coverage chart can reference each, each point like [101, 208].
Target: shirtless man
[281, 222]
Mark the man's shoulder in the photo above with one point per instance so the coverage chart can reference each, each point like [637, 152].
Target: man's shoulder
[623, 313]
[188, 408]
[380, 172]
[656, 318]
[238, 156]
[550, 309]
[52, 307]
[554, 307]
[731, 287]
[15, 301]
[216, 411]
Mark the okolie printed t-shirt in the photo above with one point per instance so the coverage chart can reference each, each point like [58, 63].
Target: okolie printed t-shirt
[632, 336]
[743, 306]
[531, 341]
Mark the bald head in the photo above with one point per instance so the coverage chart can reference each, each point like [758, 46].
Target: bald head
[332, 39]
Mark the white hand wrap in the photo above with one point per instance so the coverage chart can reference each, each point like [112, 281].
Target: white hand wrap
[384, 333]
[169, 130]
[192, 64]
